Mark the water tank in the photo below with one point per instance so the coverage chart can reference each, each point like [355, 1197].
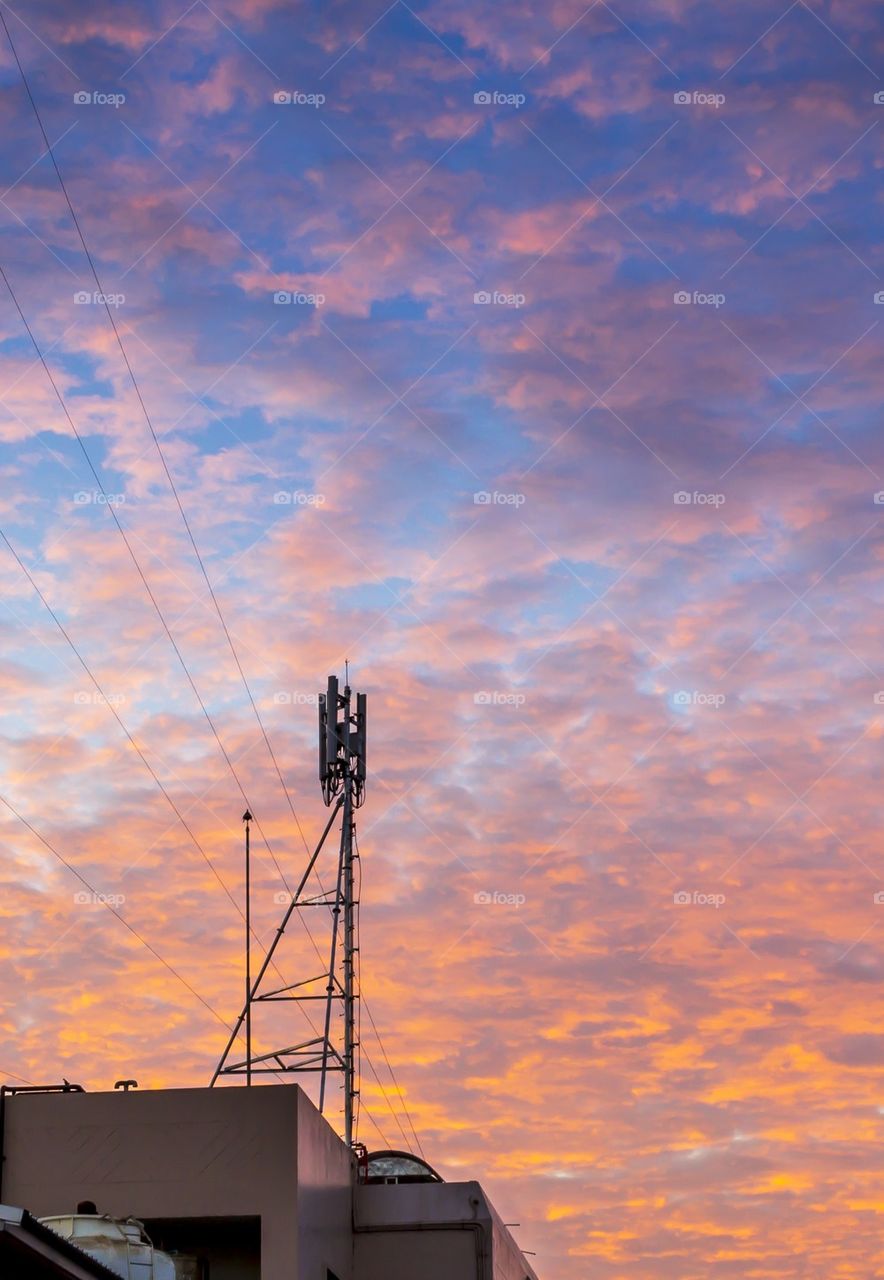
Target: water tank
[122, 1245]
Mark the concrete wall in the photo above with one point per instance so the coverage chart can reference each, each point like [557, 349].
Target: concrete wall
[434, 1231]
[325, 1198]
[509, 1261]
[427, 1230]
[431, 1255]
[262, 1159]
[195, 1154]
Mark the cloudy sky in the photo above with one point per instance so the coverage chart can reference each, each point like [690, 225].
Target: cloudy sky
[524, 356]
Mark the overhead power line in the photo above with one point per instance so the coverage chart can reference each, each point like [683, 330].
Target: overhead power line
[155, 603]
[103, 900]
[134, 558]
[111, 508]
[154, 437]
[364, 1003]
[109, 703]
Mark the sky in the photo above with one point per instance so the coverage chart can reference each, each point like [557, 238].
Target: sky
[525, 358]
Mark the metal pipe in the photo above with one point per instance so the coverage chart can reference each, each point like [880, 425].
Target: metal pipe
[336, 913]
[247, 818]
[279, 932]
[349, 953]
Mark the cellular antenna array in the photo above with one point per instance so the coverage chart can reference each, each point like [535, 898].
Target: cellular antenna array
[342, 774]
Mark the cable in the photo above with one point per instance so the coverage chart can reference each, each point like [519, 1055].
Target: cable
[23, 1079]
[172, 485]
[171, 638]
[160, 615]
[191, 539]
[363, 1001]
[100, 898]
[133, 744]
[399, 1124]
[24, 569]
[395, 1082]
[109, 703]
[111, 508]
[379, 1129]
[159, 450]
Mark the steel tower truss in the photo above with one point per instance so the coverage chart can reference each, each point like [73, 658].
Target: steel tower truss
[342, 743]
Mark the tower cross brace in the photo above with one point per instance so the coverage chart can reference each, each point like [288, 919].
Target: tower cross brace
[342, 775]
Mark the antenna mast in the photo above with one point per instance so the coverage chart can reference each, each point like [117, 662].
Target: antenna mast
[342, 773]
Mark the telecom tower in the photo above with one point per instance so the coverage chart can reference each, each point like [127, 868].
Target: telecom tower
[342, 777]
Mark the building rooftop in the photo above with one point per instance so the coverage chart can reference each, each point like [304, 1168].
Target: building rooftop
[251, 1182]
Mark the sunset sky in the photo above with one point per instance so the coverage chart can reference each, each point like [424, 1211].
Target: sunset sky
[569, 440]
